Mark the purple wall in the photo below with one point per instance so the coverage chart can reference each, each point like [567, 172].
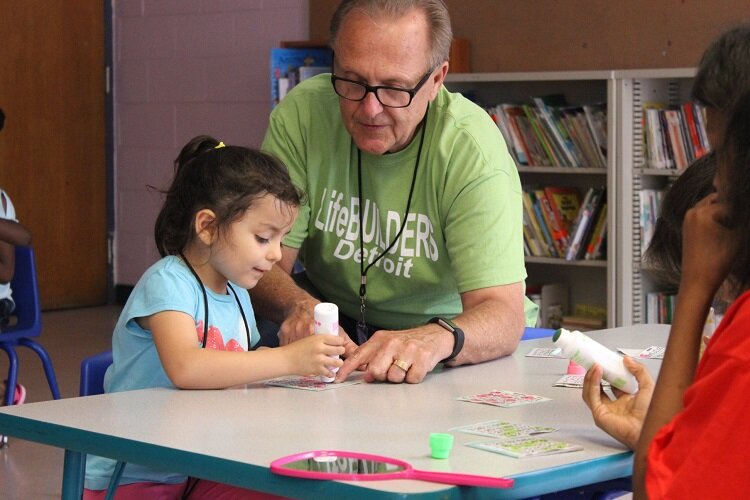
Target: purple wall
[184, 68]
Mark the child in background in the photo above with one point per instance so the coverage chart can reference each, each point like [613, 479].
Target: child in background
[665, 251]
[11, 234]
[683, 441]
[691, 426]
[189, 322]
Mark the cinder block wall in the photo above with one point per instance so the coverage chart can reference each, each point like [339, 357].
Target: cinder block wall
[183, 68]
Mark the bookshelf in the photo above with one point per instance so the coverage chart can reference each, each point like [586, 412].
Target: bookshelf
[591, 282]
[634, 88]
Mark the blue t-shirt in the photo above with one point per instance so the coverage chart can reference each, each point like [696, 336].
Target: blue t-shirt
[168, 285]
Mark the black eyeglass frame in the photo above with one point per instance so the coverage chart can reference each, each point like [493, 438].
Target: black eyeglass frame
[374, 89]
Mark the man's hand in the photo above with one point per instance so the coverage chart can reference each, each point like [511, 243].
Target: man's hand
[398, 356]
[300, 324]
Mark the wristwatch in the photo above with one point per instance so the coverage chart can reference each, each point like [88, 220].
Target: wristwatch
[458, 336]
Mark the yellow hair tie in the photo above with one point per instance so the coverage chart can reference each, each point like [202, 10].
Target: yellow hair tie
[220, 145]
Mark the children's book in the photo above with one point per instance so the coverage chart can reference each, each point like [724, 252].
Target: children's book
[565, 202]
[596, 116]
[559, 234]
[591, 203]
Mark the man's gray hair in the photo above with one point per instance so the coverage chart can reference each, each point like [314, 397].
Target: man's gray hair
[435, 11]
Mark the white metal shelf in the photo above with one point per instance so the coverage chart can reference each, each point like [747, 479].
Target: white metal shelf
[589, 281]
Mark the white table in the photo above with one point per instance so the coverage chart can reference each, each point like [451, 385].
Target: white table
[233, 435]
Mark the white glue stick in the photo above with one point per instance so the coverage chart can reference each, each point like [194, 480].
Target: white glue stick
[326, 317]
[586, 351]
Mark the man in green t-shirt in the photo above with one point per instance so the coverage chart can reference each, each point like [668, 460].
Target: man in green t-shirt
[413, 225]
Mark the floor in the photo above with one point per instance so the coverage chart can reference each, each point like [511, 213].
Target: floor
[34, 471]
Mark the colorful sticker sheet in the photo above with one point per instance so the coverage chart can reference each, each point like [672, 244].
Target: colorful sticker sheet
[545, 352]
[574, 381]
[527, 446]
[309, 383]
[505, 399]
[653, 352]
[504, 430]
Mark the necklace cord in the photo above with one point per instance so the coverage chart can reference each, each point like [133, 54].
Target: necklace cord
[362, 269]
[205, 306]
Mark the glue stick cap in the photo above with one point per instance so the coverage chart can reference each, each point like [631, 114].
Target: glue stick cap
[556, 335]
[441, 444]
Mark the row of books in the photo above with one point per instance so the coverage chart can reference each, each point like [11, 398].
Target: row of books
[660, 307]
[558, 223]
[550, 132]
[674, 136]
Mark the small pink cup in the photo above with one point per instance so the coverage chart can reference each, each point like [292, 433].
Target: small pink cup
[576, 369]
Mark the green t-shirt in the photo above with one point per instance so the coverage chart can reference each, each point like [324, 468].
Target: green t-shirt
[464, 227]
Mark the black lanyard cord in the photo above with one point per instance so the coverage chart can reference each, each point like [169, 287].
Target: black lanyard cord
[362, 269]
[205, 306]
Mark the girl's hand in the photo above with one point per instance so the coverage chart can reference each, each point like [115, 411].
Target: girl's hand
[312, 355]
[708, 246]
[622, 418]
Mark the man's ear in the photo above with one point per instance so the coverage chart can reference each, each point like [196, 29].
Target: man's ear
[437, 79]
[205, 227]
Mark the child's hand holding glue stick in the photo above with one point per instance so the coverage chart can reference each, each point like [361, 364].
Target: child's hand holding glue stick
[585, 351]
[326, 318]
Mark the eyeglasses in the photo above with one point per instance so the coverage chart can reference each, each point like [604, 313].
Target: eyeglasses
[390, 97]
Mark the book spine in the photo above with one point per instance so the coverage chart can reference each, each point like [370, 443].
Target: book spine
[515, 135]
[675, 139]
[558, 234]
[695, 140]
[567, 158]
[579, 230]
[596, 118]
[537, 230]
[597, 234]
[543, 140]
[543, 226]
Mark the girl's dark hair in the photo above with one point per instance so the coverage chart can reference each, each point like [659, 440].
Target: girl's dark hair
[226, 180]
[724, 71]
[664, 253]
[733, 158]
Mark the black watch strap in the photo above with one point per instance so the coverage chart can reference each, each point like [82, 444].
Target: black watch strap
[458, 336]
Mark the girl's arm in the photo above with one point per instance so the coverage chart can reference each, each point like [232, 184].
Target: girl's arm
[708, 249]
[14, 233]
[189, 366]
[11, 233]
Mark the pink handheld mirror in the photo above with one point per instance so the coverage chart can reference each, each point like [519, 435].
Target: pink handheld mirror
[352, 466]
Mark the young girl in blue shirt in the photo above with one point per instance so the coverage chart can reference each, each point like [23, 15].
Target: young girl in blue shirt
[189, 323]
